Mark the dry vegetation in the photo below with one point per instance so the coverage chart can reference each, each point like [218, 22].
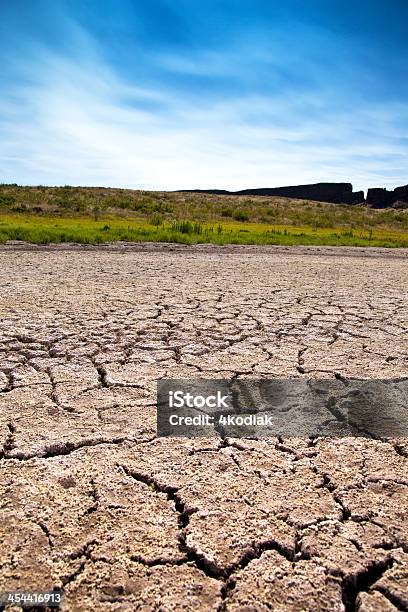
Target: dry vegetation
[94, 215]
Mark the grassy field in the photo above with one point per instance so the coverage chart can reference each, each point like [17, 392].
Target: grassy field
[95, 215]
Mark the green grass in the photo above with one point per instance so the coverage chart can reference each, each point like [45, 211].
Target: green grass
[43, 229]
[92, 215]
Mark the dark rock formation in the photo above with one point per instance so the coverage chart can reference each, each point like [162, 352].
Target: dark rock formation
[209, 191]
[357, 197]
[338, 193]
[401, 193]
[382, 198]
[379, 198]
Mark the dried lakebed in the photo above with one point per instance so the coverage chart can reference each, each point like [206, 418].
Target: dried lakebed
[93, 503]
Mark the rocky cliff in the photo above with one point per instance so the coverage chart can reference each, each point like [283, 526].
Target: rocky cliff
[320, 192]
[337, 193]
[382, 198]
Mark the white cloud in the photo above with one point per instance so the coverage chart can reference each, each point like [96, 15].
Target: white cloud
[79, 123]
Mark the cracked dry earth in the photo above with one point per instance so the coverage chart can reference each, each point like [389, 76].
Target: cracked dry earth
[93, 503]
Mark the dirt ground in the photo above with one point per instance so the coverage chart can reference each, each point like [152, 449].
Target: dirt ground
[94, 504]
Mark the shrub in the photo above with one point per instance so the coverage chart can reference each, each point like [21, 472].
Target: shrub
[241, 215]
[186, 227]
[20, 208]
[226, 212]
[163, 207]
[156, 220]
[7, 200]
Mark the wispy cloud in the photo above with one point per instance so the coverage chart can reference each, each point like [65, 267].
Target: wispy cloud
[76, 118]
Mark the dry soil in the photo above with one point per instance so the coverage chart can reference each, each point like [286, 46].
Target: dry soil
[92, 502]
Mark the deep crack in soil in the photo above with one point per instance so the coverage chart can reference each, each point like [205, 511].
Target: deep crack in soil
[92, 502]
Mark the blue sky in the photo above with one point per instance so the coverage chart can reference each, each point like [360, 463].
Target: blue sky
[167, 94]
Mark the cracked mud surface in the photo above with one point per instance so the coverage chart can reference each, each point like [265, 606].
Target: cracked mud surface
[93, 503]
